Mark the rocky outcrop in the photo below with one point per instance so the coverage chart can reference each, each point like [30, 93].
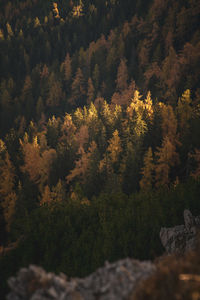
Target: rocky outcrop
[181, 238]
[112, 282]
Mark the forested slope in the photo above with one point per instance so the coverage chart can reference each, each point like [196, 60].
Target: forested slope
[99, 127]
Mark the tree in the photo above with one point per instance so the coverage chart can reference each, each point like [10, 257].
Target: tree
[78, 89]
[67, 67]
[36, 164]
[55, 93]
[167, 157]
[1, 35]
[196, 156]
[82, 136]
[9, 30]
[184, 110]
[96, 76]
[122, 76]
[114, 148]
[8, 195]
[169, 123]
[90, 92]
[147, 180]
[82, 165]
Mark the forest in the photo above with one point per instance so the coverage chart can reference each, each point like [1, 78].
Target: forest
[99, 129]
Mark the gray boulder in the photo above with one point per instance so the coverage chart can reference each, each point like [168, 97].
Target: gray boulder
[181, 238]
[112, 282]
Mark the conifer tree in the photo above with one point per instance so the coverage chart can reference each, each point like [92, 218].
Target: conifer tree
[114, 148]
[82, 165]
[167, 157]
[147, 180]
[46, 196]
[122, 76]
[184, 110]
[8, 195]
[196, 156]
[78, 89]
[96, 76]
[9, 30]
[67, 67]
[90, 91]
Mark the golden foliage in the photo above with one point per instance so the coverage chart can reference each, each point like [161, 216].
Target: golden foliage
[114, 149]
[78, 10]
[184, 110]
[82, 165]
[37, 164]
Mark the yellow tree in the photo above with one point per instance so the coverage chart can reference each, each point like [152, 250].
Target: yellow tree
[36, 163]
[82, 165]
[114, 149]
[147, 171]
[46, 196]
[111, 157]
[169, 123]
[149, 106]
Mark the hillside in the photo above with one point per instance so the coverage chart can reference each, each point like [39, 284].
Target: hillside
[99, 129]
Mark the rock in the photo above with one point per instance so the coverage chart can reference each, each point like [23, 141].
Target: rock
[181, 238]
[113, 281]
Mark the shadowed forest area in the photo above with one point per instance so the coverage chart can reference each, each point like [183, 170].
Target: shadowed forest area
[99, 129]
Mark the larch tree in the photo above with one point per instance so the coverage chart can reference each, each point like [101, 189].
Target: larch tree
[114, 148]
[184, 110]
[82, 136]
[78, 89]
[82, 165]
[169, 123]
[122, 76]
[167, 157]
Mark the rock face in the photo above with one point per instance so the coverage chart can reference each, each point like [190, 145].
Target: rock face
[181, 238]
[112, 282]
